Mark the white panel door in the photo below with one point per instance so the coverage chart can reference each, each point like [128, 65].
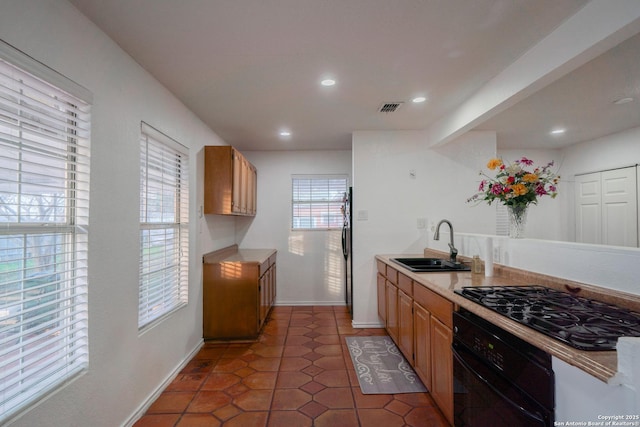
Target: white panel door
[588, 208]
[619, 207]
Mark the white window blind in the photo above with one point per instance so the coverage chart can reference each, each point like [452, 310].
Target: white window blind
[44, 209]
[502, 220]
[317, 201]
[164, 225]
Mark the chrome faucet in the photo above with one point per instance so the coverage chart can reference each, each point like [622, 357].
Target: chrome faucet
[453, 252]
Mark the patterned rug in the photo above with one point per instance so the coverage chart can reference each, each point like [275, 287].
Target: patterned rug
[381, 368]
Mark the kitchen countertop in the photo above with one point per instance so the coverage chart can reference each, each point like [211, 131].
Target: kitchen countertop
[600, 364]
[233, 254]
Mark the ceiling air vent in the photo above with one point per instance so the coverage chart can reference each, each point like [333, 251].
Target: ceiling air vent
[390, 107]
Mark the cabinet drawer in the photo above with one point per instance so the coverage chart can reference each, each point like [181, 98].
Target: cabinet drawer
[392, 275]
[437, 305]
[405, 283]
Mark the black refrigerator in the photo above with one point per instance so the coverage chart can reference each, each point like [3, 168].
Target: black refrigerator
[347, 234]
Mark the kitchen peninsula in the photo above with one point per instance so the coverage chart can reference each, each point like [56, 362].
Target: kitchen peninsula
[398, 288]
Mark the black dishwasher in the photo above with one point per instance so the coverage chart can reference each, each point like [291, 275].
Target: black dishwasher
[499, 379]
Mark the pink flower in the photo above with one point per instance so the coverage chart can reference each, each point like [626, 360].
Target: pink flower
[482, 184]
[526, 161]
[497, 189]
[540, 191]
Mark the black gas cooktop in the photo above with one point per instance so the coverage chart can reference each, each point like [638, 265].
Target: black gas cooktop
[582, 323]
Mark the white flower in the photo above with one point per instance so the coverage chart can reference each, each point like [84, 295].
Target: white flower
[513, 169]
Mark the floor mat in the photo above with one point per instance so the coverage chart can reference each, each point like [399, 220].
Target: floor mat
[381, 368]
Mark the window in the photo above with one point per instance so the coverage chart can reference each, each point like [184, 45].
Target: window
[164, 225]
[317, 201]
[44, 207]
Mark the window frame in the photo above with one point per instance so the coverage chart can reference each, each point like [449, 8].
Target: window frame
[171, 282]
[333, 204]
[45, 126]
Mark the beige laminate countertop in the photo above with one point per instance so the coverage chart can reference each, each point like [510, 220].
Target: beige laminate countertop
[600, 364]
[233, 254]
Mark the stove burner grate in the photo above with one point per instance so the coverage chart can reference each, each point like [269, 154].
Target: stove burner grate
[580, 322]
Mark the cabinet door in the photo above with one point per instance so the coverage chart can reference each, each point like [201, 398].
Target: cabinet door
[422, 344]
[267, 292]
[236, 200]
[264, 292]
[442, 367]
[405, 325]
[392, 310]
[273, 284]
[246, 185]
[382, 298]
[250, 188]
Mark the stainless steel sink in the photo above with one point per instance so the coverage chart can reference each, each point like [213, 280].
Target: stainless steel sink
[430, 265]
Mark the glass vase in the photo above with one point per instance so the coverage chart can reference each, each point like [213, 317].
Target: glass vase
[517, 220]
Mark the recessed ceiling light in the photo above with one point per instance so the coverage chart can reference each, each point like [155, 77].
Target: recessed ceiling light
[285, 133]
[623, 101]
[328, 82]
[558, 131]
[419, 99]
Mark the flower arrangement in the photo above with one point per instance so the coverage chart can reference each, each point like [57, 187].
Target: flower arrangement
[515, 185]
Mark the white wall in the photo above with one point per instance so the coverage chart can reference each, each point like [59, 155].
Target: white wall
[125, 367]
[310, 263]
[609, 152]
[393, 201]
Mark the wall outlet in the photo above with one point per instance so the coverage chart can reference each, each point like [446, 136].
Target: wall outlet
[363, 215]
[421, 223]
[496, 254]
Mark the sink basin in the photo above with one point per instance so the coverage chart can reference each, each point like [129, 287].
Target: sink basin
[430, 265]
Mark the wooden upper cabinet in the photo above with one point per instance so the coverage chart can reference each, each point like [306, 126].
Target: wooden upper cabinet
[230, 182]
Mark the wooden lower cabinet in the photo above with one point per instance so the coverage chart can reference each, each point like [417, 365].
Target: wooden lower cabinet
[405, 325]
[239, 289]
[267, 287]
[392, 310]
[420, 322]
[442, 367]
[422, 344]
[382, 298]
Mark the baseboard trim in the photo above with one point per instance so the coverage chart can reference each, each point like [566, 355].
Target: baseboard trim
[308, 303]
[367, 324]
[142, 408]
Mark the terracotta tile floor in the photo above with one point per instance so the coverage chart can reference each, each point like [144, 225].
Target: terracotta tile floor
[299, 373]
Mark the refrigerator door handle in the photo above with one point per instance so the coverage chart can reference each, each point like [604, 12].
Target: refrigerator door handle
[345, 251]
